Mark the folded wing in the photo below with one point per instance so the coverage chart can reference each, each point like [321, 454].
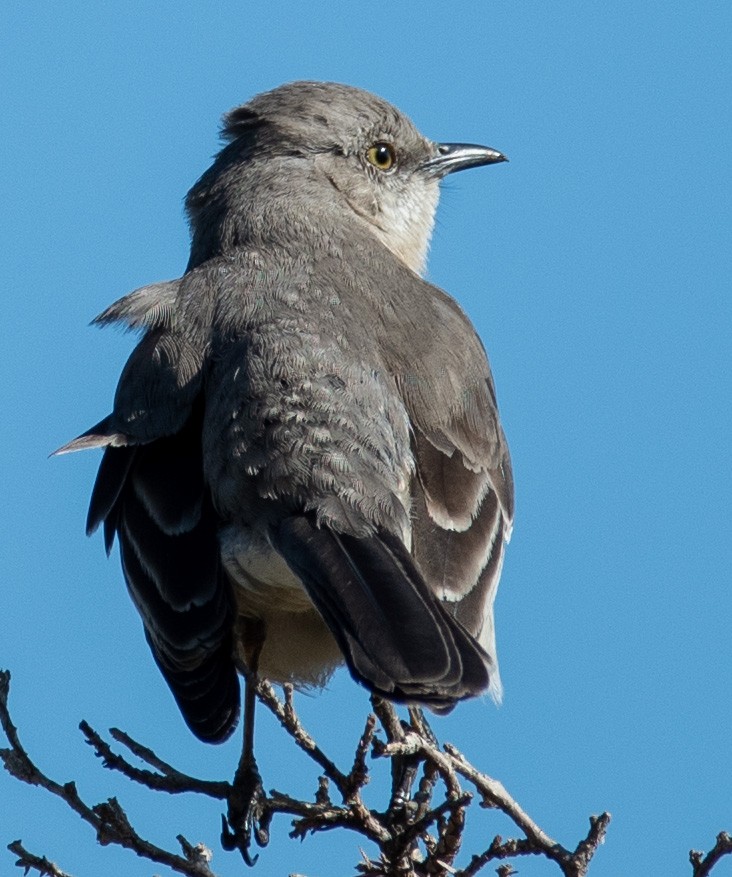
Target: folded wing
[150, 493]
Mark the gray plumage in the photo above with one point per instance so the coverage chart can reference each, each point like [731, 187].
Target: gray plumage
[304, 462]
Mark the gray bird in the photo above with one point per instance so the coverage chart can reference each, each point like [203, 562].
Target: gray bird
[304, 464]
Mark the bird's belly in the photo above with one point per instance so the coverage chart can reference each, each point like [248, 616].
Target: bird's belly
[297, 647]
[264, 582]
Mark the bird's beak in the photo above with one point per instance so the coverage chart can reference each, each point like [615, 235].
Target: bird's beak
[453, 157]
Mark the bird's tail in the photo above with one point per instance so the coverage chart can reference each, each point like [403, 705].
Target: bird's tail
[397, 637]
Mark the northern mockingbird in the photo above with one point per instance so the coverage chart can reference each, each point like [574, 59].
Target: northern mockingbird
[304, 464]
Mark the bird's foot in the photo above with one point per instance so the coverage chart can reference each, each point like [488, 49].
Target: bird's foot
[421, 726]
[404, 773]
[249, 816]
[403, 807]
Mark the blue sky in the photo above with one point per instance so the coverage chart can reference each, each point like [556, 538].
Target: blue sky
[596, 266]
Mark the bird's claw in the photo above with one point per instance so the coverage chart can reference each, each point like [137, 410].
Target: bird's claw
[248, 817]
[404, 773]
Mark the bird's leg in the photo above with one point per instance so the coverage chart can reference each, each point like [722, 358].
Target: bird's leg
[421, 726]
[248, 815]
[403, 773]
[404, 768]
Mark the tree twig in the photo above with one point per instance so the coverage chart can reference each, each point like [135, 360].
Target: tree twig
[702, 865]
[417, 836]
[108, 819]
[28, 862]
[285, 715]
[168, 780]
[494, 795]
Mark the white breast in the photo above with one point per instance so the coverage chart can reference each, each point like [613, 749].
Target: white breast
[298, 647]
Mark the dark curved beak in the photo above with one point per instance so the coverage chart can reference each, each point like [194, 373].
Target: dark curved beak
[453, 157]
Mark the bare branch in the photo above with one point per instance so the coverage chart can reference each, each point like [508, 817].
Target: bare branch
[359, 773]
[702, 865]
[417, 835]
[388, 717]
[108, 819]
[319, 817]
[285, 715]
[500, 849]
[494, 794]
[450, 833]
[414, 744]
[169, 780]
[28, 862]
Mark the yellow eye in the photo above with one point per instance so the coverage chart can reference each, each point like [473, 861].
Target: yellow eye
[381, 155]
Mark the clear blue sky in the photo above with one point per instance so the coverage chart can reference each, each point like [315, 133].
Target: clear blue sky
[596, 266]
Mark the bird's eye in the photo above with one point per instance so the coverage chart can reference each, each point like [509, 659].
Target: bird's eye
[381, 155]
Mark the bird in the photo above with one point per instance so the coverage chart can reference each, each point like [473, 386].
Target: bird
[304, 465]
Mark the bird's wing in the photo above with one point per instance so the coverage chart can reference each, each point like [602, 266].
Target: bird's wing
[462, 495]
[150, 492]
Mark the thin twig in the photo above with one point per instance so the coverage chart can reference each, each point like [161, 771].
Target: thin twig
[358, 776]
[701, 864]
[415, 837]
[285, 715]
[108, 819]
[450, 835]
[495, 795]
[414, 744]
[324, 817]
[170, 780]
[41, 864]
[356, 813]
[388, 718]
[500, 849]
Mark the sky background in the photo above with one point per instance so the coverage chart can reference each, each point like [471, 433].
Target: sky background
[596, 267]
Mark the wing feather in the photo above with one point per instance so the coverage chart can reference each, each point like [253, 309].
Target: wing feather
[150, 493]
[462, 492]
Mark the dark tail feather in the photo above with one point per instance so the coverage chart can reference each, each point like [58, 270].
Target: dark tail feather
[396, 636]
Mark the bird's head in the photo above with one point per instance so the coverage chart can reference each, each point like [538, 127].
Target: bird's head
[330, 147]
